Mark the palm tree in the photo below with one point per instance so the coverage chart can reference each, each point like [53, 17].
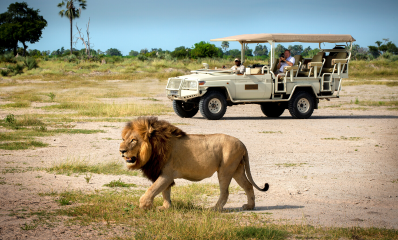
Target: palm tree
[225, 45]
[71, 12]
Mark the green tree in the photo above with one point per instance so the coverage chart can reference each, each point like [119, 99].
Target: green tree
[72, 12]
[113, 52]
[133, 53]
[20, 23]
[295, 49]
[181, 52]
[204, 49]
[260, 50]
[234, 53]
[225, 45]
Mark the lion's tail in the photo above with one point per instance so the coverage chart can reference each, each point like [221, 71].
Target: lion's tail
[249, 175]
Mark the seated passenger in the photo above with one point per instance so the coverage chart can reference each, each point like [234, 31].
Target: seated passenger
[285, 61]
[238, 68]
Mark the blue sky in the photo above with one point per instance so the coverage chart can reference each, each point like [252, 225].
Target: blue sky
[134, 25]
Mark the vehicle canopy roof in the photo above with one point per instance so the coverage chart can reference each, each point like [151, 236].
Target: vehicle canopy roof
[288, 37]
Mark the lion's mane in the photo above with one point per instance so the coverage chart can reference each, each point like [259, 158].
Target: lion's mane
[158, 134]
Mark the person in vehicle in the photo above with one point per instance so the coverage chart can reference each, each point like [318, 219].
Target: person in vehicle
[238, 68]
[285, 61]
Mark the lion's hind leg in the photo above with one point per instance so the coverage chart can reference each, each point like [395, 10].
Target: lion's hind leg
[224, 180]
[241, 179]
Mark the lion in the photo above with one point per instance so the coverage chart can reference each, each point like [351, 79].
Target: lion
[164, 152]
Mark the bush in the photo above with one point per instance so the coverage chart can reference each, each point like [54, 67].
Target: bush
[203, 49]
[113, 52]
[142, 57]
[30, 63]
[4, 73]
[8, 58]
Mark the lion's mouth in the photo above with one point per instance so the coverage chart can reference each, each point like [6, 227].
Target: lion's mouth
[131, 160]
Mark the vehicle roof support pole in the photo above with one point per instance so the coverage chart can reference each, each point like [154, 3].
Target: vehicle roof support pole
[272, 54]
[242, 52]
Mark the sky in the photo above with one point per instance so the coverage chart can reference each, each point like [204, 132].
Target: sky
[134, 25]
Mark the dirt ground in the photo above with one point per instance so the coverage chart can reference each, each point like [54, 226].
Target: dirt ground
[338, 168]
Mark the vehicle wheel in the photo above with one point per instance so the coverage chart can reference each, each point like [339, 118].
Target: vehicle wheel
[184, 109]
[213, 105]
[272, 110]
[301, 105]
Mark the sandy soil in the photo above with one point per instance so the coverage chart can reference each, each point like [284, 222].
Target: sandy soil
[338, 168]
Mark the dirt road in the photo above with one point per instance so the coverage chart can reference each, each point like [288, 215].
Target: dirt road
[338, 168]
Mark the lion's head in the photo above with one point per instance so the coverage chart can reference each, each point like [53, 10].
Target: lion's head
[146, 144]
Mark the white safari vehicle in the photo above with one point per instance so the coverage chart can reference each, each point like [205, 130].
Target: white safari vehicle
[299, 88]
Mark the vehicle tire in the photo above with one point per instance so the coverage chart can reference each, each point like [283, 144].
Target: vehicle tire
[301, 105]
[213, 105]
[184, 109]
[272, 110]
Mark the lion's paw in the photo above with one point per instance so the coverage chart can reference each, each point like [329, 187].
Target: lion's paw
[162, 208]
[146, 205]
[247, 207]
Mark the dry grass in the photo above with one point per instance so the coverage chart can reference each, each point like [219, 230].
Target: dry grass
[189, 218]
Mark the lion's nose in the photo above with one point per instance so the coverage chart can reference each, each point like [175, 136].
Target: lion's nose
[123, 151]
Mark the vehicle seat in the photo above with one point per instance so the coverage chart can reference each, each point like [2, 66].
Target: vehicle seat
[317, 58]
[328, 67]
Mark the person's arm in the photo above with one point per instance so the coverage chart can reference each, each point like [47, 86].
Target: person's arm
[242, 69]
[290, 63]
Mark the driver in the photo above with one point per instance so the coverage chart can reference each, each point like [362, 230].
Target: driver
[285, 61]
[238, 68]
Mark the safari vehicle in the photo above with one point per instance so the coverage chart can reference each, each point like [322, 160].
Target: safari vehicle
[299, 90]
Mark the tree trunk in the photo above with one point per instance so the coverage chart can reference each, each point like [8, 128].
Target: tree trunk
[70, 18]
[24, 49]
[15, 48]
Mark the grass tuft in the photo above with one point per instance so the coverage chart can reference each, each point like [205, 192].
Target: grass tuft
[22, 145]
[119, 183]
[81, 166]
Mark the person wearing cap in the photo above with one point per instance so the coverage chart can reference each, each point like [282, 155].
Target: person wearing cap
[238, 68]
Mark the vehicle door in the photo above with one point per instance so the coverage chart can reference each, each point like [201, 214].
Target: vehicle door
[250, 86]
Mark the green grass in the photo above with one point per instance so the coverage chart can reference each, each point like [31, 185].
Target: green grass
[344, 138]
[22, 145]
[119, 183]
[112, 110]
[271, 132]
[188, 218]
[290, 164]
[16, 105]
[69, 167]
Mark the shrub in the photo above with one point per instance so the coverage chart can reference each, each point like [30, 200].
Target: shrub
[30, 63]
[4, 73]
[142, 57]
[8, 58]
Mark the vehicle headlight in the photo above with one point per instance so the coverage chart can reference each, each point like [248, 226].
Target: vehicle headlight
[190, 85]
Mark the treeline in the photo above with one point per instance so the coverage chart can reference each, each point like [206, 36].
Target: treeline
[386, 50]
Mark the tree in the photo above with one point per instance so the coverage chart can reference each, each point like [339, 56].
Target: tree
[260, 50]
[22, 24]
[180, 52]
[295, 49]
[86, 44]
[234, 53]
[225, 45]
[144, 51]
[113, 52]
[72, 12]
[133, 53]
[204, 49]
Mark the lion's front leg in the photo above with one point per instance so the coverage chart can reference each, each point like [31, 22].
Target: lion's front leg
[158, 186]
[166, 199]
